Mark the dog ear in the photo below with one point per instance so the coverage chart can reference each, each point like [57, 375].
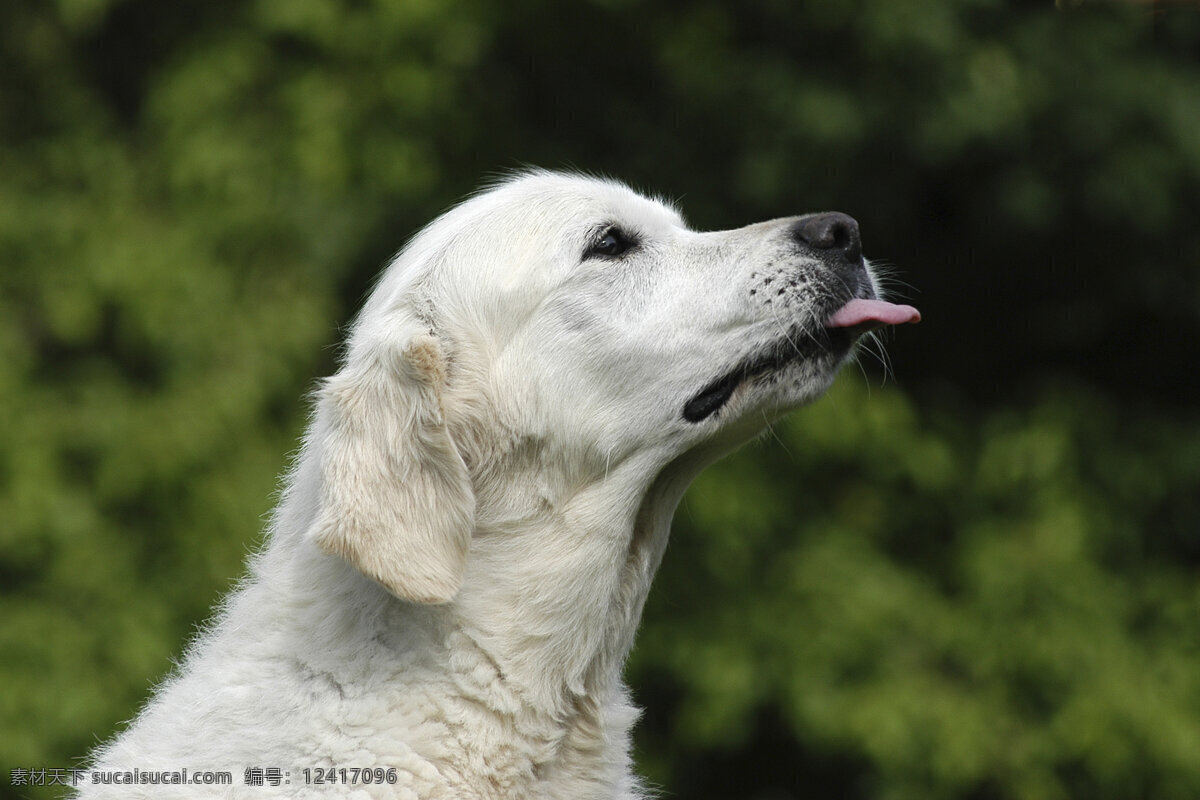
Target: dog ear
[396, 499]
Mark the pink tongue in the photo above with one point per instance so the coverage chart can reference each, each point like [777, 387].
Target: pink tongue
[879, 312]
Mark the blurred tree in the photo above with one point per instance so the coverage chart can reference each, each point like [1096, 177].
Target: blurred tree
[982, 586]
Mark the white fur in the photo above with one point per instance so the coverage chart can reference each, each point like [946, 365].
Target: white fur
[455, 573]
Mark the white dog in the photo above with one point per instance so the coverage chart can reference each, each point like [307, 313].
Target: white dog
[457, 568]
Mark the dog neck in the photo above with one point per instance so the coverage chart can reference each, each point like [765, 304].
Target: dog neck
[554, 595]
[557, 574]
[540, 630]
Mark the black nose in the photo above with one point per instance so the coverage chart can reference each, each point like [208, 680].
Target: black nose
[830, 231]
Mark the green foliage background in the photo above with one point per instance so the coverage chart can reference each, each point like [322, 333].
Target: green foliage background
[976, 580]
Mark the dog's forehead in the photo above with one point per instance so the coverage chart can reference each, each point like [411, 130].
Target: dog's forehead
[520, 235]
[570, 201]
[531, 231]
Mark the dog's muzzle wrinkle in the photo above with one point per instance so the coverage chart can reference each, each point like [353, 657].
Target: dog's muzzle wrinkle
[711, 398]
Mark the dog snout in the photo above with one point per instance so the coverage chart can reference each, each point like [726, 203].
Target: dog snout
[831, 231]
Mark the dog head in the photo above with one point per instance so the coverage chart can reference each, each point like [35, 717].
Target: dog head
[562, 327]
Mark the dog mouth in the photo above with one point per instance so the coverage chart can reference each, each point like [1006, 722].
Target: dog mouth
[839, 332]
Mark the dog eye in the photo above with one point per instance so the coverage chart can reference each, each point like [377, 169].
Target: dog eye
[611, 243]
